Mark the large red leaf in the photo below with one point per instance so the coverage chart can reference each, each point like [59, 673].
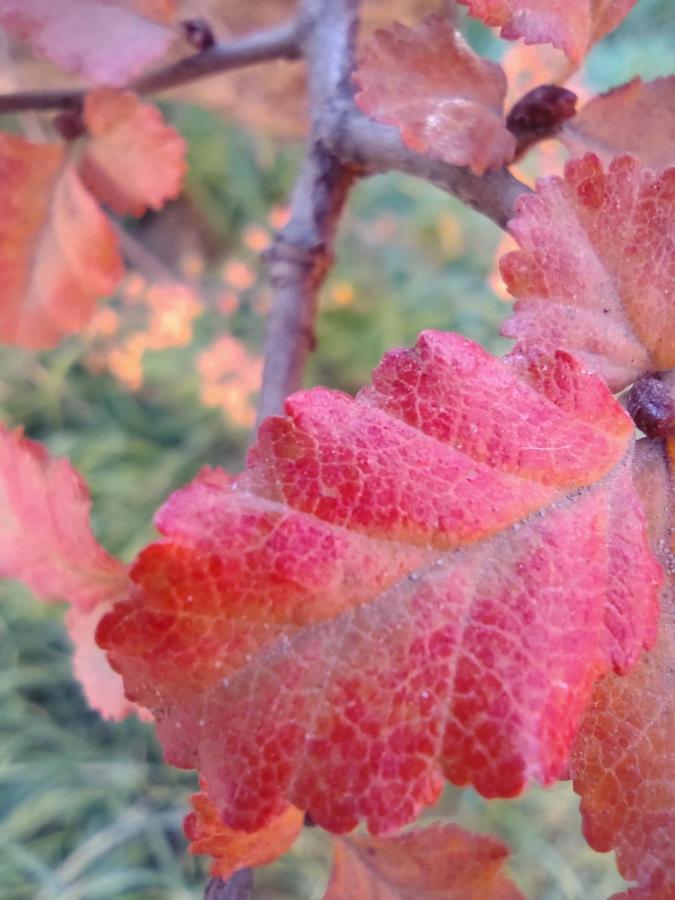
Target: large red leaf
[624, 760]
[423, 581]
[441, 862]
[444, 99]
[637, 117]
[105, 41]
[58, 253]
[46, 542]
[595, 270]
[132, 160]
[232, 850]
[571, 25]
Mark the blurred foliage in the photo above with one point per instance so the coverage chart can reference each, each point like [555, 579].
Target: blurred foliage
[88, 811]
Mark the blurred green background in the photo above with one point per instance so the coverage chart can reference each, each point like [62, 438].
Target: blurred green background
[88, 811]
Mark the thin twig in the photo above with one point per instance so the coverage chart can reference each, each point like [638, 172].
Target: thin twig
[302, 252]
[261, 46]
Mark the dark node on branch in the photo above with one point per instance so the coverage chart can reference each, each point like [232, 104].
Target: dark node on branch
[70, 124]
[651, 403]
[539, 114]
[309, 821]
[198, 33]
[238, 887]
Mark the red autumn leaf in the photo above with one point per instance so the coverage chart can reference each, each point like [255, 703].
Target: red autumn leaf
[105, 41]
[623, 763]
[595, 269]
[573, 26]
[444, 99]
[132, 160]
[46, 542]
[233, 850]
[58, 253]
[421, 582]
[637, 118]
[441, 862]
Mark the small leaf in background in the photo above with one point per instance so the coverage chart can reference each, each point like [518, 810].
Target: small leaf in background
[637, 118]
[444, 99]
[594, 273]
[105, 41]
[623, 763]
[233, 850]
[132, 160]
[440, 862]
[573, 25]
[58, 253]
[400, 587]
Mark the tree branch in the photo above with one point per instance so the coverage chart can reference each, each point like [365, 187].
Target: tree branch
[261, 46]
[302, 254]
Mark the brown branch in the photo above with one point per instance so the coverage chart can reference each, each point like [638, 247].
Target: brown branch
[261, 46]
[302, 253]
[237, 887]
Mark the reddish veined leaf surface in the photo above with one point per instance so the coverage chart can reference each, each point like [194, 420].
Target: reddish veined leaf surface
[441, 862]
[424, 581]
[105, 41]
[232, 850]
[571, 25]
[623, 763]
[132, 160]
[58, 253]
[637, 117]
[46, 542]
[595, 270]
[444, 99]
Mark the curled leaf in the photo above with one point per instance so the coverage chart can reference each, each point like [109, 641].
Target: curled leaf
[444, 99]
[58, 253]
[594, 274]
[424, 581]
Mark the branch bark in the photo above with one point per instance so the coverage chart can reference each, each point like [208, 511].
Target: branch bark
[261, 46]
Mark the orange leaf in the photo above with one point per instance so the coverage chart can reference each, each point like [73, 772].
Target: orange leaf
[232, 850]
[572, 25]
[623, 764]
[444, 99]
[132, 160]
[441, 862]
[58, 253]
[424, 581]
[595, 269]
[105, 41]
[637, 118]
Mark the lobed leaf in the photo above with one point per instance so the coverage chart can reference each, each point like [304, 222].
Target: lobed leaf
[441, 862]
[58, 253]
[444, 99]
[104, 41]
[232, 850]
[573, 25]
[594, 274]
[132, 161]
[623, 763]
[636, 118]
[424, 581]
[46, 542]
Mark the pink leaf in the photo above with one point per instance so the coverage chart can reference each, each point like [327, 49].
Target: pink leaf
[58, 253]
[595, 270]
[105, 41]
[444, 99]
[132, 160]
[570, 25]
[637, 118]
[421, 582]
